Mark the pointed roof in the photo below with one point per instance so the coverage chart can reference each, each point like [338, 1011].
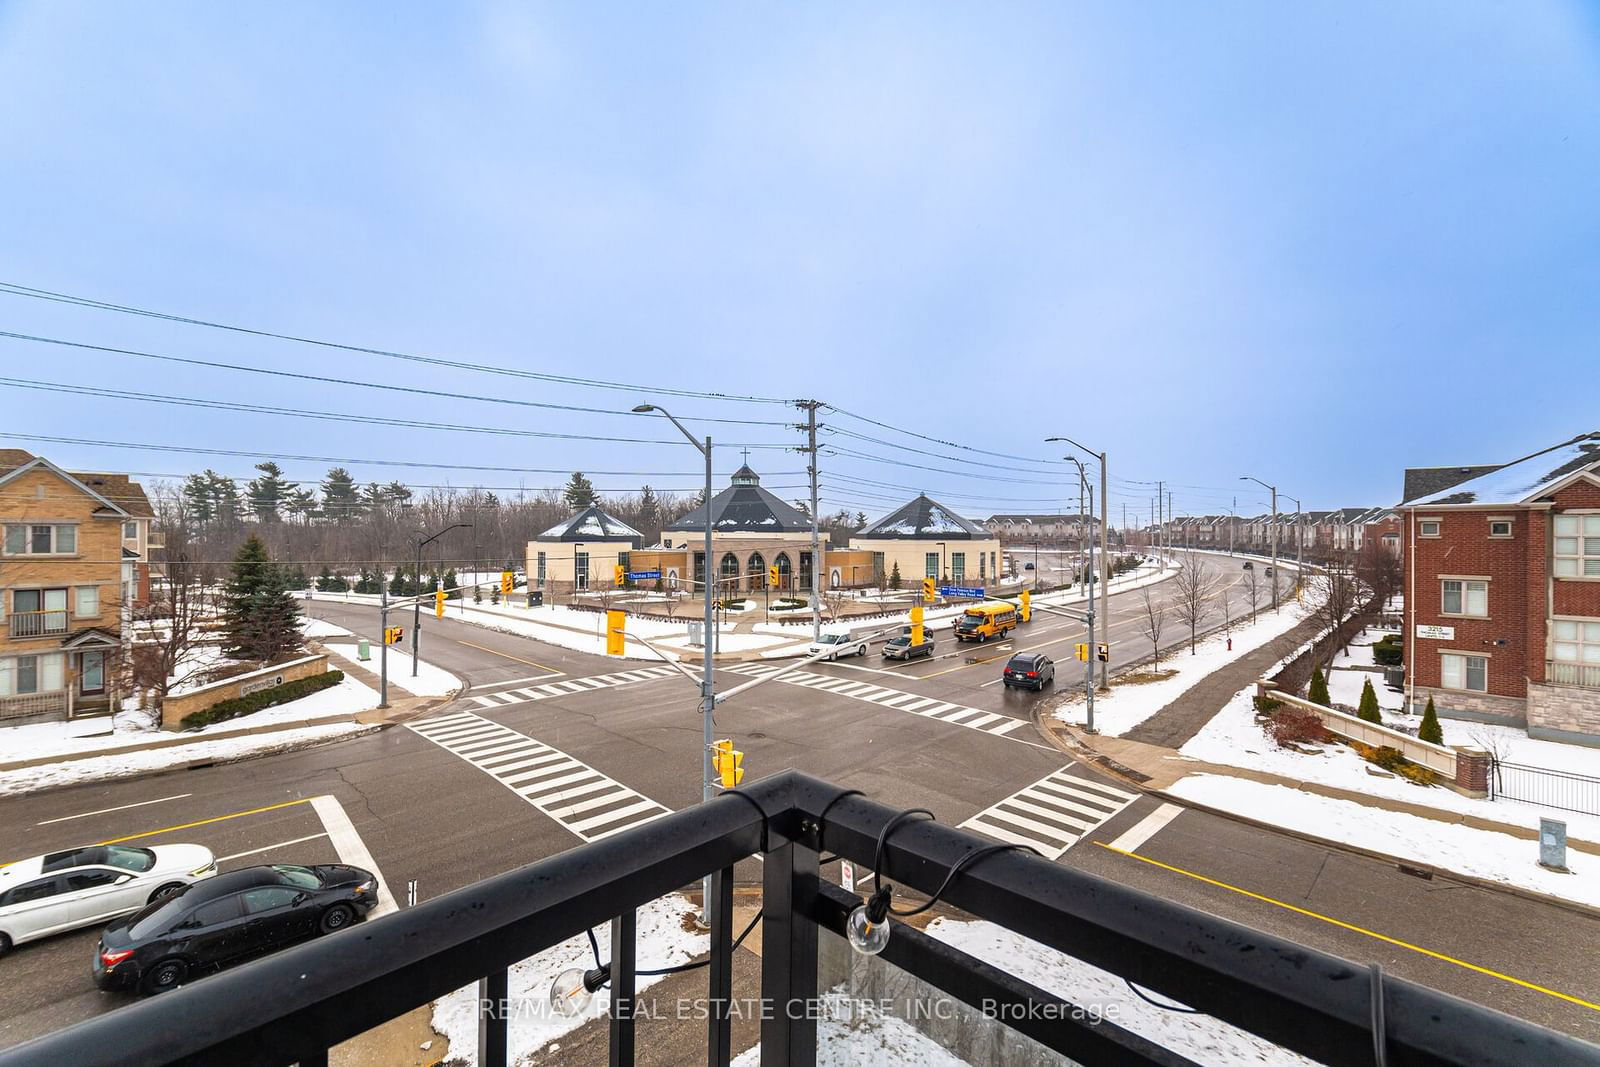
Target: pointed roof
[923, 519]
[117, 493]
[1525, 479]
[745, 507]
[595, 524]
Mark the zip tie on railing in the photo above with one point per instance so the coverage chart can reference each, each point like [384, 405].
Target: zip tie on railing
[1380, 1035]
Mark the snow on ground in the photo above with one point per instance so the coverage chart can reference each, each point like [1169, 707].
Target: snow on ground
[430, 681]
[533, 1023]
[314, 627]
[1515, 746]
[1452, 847]
[1126, 706]
[1344, 688]
[1199, 1037]
[51, 775]
[1359, 652]
[868, 1038]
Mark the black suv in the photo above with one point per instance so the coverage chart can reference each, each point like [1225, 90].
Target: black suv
[1030, 670]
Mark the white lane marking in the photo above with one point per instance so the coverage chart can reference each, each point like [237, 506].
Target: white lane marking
[570, 687]
[119, 807]
[351, 849]
[508, 683]
[1043, 816]
[269, 848]
[1146, 828]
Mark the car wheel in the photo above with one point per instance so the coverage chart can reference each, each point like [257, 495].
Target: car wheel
[5, 944]
[164, 891]
[336, 918]
[862, 651]
[164, 976]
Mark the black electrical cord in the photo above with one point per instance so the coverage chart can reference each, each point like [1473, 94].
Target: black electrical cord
[1380, 1035]
[1165, 1007]
[705, 962]
[956, 868]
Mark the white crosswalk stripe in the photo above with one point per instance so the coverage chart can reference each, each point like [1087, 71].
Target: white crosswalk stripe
[898, 699]
[577, 796]
[1052, 813]
[570, 686]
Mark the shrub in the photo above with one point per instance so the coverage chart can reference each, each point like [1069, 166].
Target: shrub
[1429, 730]
[1368, 710]
[1389, 652]
[1389, 759]
[1290, 725]
[1266, 705]
[1319, 689]
[258, 701]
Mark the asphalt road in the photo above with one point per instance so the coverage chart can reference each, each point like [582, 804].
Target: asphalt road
[431, 802]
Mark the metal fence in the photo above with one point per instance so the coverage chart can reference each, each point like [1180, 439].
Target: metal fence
[1547, 788]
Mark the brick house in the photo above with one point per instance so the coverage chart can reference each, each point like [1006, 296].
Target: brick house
[1502, 616]
[73, 562]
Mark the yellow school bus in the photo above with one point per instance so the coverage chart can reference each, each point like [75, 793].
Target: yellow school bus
[985, 621]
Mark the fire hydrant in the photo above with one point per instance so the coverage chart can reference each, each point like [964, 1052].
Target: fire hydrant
[1230, 644]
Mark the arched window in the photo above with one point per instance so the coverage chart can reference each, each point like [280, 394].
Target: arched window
[728, 569]
[755, 570]
[784, 575]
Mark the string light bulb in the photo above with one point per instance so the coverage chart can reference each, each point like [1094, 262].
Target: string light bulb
[574, 988]
[868, 927]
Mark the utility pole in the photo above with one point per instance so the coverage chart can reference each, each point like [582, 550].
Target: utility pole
[383, 635]
[810, 428]
[1274, 491]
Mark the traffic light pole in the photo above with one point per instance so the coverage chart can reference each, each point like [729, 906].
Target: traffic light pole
[1088, 665]
[383, 638]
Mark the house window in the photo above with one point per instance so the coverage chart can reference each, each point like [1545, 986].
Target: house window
[130, 531]
[930, 563]
[1465, 597]
[958, 566]
[1470, 673]
[1428, 528]
[983, 567]
[41, 539]
[23, 675]
[622, 561]
[86, 601]
[1575, 641]
[1499, 527]
[1577, 546]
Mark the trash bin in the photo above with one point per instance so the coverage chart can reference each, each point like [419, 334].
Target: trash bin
[363, 650]
[1394, 677]
[536, 598]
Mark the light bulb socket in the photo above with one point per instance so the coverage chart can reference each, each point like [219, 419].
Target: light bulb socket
[878, 904]
[596, 977]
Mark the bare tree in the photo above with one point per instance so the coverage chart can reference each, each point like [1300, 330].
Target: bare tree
[1252, 589]
[1335, 597]
[1194, 594]
[166, 659]
[1380, 571]
[1152, 617]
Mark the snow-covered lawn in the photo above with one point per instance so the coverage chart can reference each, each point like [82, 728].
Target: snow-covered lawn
[868, 1038]
[1126, 706]
[1344, 687]
[430, 681]
[662, 942]
[1199, 1037]
[1450, 846]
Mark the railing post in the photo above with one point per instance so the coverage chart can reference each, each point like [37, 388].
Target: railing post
[624, 1006]
[719, 916]
[493, 992]
[789, 957]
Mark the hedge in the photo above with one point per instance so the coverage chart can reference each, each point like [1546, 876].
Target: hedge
[258, 701]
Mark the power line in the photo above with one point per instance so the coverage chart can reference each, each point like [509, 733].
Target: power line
[852, 454]
[15, 289]
[411, 389]
[925, 452]
[933, 440]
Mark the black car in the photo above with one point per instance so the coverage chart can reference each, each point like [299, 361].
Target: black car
[227, 920]
[1249, 566]
[1030, 670]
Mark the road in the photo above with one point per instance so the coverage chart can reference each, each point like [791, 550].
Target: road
[547, 748]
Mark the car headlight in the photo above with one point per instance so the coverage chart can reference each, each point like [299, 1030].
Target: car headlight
[199, 872]
[366, 887]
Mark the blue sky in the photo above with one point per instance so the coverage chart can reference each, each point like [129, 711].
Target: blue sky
[1315, 246]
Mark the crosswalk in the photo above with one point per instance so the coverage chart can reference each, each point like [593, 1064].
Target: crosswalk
[1052, 813]
[898, 699]
[569, 687]
[572, 793]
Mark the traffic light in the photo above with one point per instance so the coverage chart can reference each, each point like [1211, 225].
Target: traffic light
[1102, 652]
[619, 576]
[393, 634]
[1082, 652]
[615, 621]
[507, 580]
[1027, 606]
[438, 603]
[772, 577]
[916, 625]
[728, 762]
[928, 591]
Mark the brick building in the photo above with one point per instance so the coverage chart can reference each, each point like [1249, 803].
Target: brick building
[1503, 591]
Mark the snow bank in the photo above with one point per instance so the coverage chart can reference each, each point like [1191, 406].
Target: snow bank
[870, 1038]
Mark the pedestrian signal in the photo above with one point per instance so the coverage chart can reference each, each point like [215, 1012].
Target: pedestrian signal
[1102, 653]
[393, 634]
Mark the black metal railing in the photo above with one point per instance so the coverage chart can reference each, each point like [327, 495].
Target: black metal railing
[1548, 788]
[293, 1006]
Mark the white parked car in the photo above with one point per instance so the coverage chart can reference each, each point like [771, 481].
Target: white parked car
[837, 645]
[94, 884]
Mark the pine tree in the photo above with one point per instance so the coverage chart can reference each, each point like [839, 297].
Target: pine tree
[224, 496]
[1368, 709]
[341, 501]
[260, 618]
[649, 513]
[398, 586]
[197, 496]
[494, 594]
[301, 502]
[579, 493]
[325, 579]
[1430, 730]
[1319, 689]
[894, 576]
[451, 584]
[269, 492]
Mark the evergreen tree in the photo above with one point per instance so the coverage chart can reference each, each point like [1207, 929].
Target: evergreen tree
[302, 503]
[451, 584]
[861, 519]
[579, 493]
[494, 594]
[224, 496]
[261, 620]
[364, 582]
[397, 587]
[197, 496]
[1430, 730]
[894, 576]
[268, 493]
[649, 512]
[325, 579]
[477, 593]
[1319, 689]
[341, 501]
[1368, 709]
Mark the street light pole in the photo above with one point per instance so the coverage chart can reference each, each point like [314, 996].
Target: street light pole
[708, 698]
[416, 607]
[1105, 546]
[1274, 491]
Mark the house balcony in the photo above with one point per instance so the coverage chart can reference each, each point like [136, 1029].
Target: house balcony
[37, 623]
[292, 1006]
[1583, 675]
[155, 540]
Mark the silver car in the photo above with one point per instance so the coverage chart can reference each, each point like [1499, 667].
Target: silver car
[61, 891]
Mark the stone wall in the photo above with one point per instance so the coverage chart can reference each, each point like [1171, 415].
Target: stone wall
[174, 708]
[1472, 707]
[1564, 713]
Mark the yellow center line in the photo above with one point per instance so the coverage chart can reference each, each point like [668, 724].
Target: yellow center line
[207, 822]
[504, 655]
[1357, 929]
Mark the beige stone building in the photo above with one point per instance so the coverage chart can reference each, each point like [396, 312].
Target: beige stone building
[73, 562]
[925, 539]
[580, 553]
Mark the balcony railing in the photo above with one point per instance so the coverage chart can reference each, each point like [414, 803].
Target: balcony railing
[294, 1005]
[1586, 675]
[37, 623]
[32, 705]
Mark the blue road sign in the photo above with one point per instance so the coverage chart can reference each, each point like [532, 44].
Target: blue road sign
[641, 576]
[960, 591]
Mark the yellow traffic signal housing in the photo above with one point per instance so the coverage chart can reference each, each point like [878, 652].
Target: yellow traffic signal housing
[1082, 652]
[916, 625]
[1026, 614]
[507, 579]
[615, 621]
[392, 635]
[1102, 652]
[727, 762]
[928, 590]
[438, 603]
[619, 576]
[772, 577]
